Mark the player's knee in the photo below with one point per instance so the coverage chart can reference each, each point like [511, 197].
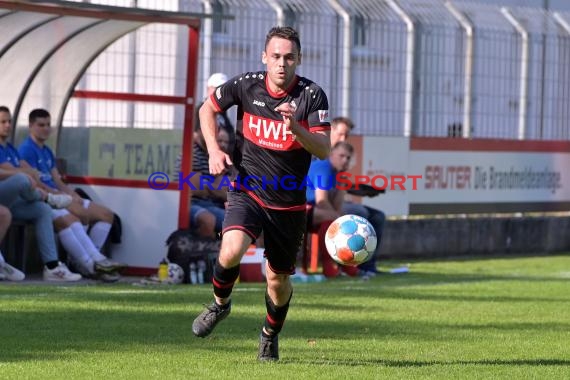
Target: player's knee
[79, 213]
[101, 213]
[65, 221]
[69, 219]
[279, 285]
[22, 180]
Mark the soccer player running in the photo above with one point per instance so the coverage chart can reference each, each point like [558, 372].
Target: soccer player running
[282, 121]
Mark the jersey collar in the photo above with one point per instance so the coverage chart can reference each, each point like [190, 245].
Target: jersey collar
[281, 94]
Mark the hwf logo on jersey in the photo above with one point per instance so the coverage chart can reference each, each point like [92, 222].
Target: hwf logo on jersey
[268, 133]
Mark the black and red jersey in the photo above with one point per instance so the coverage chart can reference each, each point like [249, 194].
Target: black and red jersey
[267, 156]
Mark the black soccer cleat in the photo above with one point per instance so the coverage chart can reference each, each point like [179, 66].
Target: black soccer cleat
[204, 323]
[268, 348]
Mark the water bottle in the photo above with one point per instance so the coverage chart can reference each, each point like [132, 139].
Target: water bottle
[201, 270]
[193, 274]
[163, 270]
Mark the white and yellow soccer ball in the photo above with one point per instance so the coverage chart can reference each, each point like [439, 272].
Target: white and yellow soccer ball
[351, 240]
[175, 274]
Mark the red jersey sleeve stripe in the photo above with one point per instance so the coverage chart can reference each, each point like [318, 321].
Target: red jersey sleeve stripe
[319, 128]
[215, 102]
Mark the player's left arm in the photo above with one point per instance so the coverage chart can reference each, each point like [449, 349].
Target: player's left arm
[25, 167]
[61, 186]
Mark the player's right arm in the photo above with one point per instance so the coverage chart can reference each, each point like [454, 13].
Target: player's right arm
[8, 170]
[225, 96]
[219, 160]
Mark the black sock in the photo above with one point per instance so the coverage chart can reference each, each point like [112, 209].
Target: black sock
[275, 317]
[224, 280]
[224, 306]
[52, 264]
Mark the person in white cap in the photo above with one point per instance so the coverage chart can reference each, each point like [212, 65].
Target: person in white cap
[214, 81]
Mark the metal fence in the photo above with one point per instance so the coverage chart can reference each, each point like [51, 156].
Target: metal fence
[397, 67]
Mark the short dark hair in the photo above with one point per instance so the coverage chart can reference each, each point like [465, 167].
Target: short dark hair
[345, 145]
[37, 114]
[4, 109]
[285, 32]
[344, 120]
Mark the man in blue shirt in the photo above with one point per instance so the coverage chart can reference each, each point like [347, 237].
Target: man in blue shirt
[327, 200]
[20, 193]
[341, 127]
[84, 249]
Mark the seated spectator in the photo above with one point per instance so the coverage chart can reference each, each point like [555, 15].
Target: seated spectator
[83, 254]
[207, 204]
[341, 127]
[19, 192]
[7, 272]
[327, 201]
[224, 140]
[38, 155]
[28, 204]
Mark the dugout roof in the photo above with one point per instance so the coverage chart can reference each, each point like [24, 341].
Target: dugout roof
[50, 44]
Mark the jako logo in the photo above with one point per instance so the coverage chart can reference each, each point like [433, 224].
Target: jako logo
[258, 103]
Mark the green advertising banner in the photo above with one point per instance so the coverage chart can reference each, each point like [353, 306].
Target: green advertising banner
[127, 153]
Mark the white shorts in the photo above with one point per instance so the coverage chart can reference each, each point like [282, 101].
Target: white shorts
[58, 213]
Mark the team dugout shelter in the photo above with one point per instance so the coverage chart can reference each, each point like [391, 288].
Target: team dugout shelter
[47, 46]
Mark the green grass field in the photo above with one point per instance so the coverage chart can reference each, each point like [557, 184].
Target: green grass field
[464, 319]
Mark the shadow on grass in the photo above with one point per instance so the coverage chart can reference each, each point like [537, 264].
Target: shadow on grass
[61, 335]
[478, 257]
[47, 323]
[420, 363]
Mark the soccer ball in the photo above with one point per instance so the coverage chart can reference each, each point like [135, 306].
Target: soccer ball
[351, 240]
[175, 274]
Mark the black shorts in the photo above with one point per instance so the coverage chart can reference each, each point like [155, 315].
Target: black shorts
[282, 229]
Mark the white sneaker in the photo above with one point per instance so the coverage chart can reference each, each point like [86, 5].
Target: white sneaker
[60, 273]
[10, 273]
[59, 200]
